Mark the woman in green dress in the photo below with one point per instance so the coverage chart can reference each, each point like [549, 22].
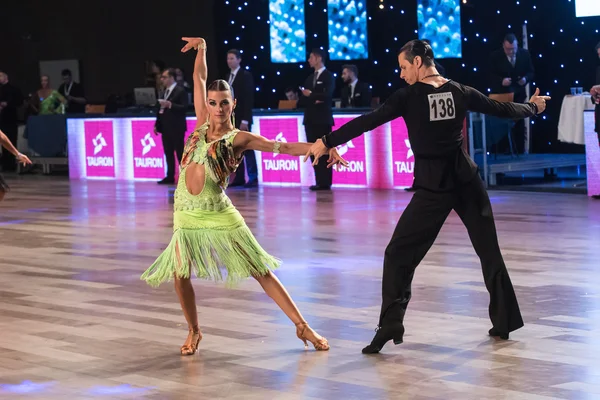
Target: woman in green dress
[46, 100]
[210, 236]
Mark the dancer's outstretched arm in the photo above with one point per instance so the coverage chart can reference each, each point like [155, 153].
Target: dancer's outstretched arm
[480, 103]
[249, 141]
[391, 109]
[5, 142]
[200, 76]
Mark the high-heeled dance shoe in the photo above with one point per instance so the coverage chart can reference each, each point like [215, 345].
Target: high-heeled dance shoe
[191, 348]
[384, 334]
[303, 330]
[496, 333]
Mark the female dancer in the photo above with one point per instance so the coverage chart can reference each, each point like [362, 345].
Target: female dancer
[209, 232]
[22, 158]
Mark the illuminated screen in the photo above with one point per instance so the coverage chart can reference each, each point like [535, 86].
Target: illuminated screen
[288, 36]
[587, 8]
[347, 29]
[439, 21]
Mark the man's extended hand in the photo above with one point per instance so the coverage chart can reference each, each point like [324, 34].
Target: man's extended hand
[335, 159]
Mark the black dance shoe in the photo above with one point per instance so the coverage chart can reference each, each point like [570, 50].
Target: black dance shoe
[384, 334]
[496, 333]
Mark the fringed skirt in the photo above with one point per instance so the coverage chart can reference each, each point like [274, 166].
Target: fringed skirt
[212, 244]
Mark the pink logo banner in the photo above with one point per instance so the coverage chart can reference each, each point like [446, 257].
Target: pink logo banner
[280, 168]
[148, 154]
[402, 155]
[353, 152]
[99, 149]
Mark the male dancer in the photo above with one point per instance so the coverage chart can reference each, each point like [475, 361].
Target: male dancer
[434, 109]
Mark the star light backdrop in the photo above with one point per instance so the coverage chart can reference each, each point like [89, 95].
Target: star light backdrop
[562, 47]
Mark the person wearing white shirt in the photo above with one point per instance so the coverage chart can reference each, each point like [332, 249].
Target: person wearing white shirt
[171, 122]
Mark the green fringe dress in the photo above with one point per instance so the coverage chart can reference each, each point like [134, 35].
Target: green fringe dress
[209, 233]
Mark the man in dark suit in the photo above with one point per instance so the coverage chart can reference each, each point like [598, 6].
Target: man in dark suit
[511, 69]
[316, 99]
[243, 91]
[355, 94]
[170, 121]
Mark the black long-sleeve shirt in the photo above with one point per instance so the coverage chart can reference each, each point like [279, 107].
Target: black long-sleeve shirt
[434, 118]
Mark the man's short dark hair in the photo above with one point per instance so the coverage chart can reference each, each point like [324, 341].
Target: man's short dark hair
[171, 72]
[351, 67]
[510, 38]
[319, 53]
[236, 53]
[419, 48]
[66, 72]
[290, 89]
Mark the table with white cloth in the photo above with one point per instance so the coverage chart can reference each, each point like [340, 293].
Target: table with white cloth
[570, 124]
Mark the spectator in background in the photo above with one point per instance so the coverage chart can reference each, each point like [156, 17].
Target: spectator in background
[511, 70]
[317, 96]
[180, 79]
[46, 100]
[291, 94]
[73, 92]
[355, 93]
[171, 122]
[242, 83]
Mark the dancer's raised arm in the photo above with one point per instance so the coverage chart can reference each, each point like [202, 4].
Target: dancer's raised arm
[200, 76]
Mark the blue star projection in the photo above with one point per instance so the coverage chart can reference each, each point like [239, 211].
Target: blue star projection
[347, 30]
[288, 35]
[439, 21]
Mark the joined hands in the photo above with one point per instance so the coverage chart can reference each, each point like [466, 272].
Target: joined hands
[318, 150]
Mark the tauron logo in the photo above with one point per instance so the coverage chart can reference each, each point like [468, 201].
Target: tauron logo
[99, 143]
[148, 143]
[409, 153]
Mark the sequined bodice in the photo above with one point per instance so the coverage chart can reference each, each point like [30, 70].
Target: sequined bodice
[212, 197]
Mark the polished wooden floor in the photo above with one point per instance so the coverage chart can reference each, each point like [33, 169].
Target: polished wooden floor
[76, 322]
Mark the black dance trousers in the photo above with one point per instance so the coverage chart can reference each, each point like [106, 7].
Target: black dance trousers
[414, 235]
[323, 175]
[173, 142]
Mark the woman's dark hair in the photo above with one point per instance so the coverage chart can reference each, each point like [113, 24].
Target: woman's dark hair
[419, 48]
[220, 86]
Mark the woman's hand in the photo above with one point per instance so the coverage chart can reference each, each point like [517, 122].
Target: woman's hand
[23, 159]
[192, 43]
